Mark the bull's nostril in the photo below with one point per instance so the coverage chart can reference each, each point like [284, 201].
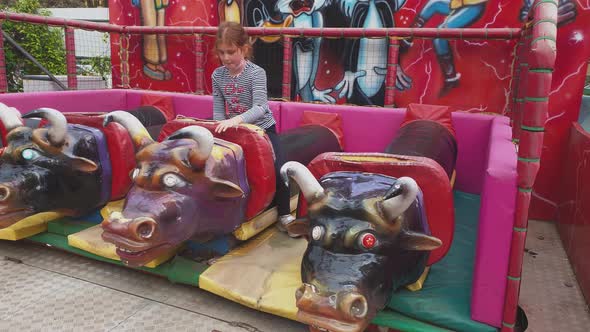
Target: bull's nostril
[4, 193]
[146, 229]
[358, 308]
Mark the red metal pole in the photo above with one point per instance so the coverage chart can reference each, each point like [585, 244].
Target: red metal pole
[3, 78]
[71, 59]
[392, 57]
[287, 67]
[467, 33]
[541, 61]
[520, 89]
[124, 55]
[199, 65]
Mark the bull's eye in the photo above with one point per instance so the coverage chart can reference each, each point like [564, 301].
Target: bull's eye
[171, 180]
[367, 240]
[317, 233]
[30, 154]
[134, 174]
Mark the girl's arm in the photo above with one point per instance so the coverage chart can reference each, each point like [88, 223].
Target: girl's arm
[218, 100]
[259, 97]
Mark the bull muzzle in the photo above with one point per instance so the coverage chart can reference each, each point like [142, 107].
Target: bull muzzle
[344, 311]
[138, 229]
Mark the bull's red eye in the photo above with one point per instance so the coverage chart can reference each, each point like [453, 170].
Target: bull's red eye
[368, 240]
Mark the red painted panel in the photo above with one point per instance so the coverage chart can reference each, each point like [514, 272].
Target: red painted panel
[176, 54]
[574, 207]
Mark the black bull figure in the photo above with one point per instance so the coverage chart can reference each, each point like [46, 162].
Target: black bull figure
[46, 169]
[187, 186]
[367, 233]
[55, 168]
[367, 237]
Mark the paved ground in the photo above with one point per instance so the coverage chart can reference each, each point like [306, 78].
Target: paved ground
[50, 290]
[549, 293]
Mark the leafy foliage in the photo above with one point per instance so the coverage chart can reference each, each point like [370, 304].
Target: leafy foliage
[65, 3]
[44, 43]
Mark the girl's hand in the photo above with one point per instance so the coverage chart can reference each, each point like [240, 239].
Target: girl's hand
[225, 124]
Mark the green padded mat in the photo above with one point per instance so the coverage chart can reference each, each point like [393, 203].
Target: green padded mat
[445, 299]
[178, 270]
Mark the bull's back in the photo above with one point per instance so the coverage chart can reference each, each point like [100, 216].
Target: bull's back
[425, 138]
[302, 144]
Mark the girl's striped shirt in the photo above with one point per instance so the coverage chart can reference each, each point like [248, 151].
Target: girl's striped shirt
[243, 95]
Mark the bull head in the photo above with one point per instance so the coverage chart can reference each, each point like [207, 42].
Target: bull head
[176, 193]
[366, 238]
[45, 169]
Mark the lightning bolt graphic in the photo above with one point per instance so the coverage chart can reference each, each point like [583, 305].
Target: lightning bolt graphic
[422, 53]
[415, 9]
[183, 73]
[495, 71]
[500, 8]
[568, 77]
[475, 43]
[477, 109]
[428, 71]
[554, 117]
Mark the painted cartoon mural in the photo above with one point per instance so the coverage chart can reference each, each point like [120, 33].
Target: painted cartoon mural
[468, 75]
[160, 62]
[155, 54]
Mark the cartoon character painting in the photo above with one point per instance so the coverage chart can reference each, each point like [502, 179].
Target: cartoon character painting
[153, 13]
[459, 14]
[364, 77]
[363, 81]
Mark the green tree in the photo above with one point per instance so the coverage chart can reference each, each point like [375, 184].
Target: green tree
[42, 42]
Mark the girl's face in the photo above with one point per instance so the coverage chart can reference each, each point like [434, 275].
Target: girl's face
[231, 56]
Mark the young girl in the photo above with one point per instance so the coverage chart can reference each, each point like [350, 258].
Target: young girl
[239, 96]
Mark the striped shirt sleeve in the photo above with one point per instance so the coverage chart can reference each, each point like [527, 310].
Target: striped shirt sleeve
[218, 100]
[259, 97]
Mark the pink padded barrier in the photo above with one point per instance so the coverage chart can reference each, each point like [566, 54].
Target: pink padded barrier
[194, 106]
[496, 218]
[67, 101]
[473, 134]
[366, 129]
[370, 129]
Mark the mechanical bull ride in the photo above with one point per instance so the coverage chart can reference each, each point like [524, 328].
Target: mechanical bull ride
[369, 232]
[67, 168]
[192, 185]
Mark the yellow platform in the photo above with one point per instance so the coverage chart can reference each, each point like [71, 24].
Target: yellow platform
[29, 226]
[90, 240]
[269, 268]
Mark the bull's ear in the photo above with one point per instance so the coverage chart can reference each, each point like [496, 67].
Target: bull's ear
[417, 241]
[83, 164]
[226, 189]
[299, 227]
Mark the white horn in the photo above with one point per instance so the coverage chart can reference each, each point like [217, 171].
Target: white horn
[10, 117]
[309, 186]
[137, 131]
[399, 198]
